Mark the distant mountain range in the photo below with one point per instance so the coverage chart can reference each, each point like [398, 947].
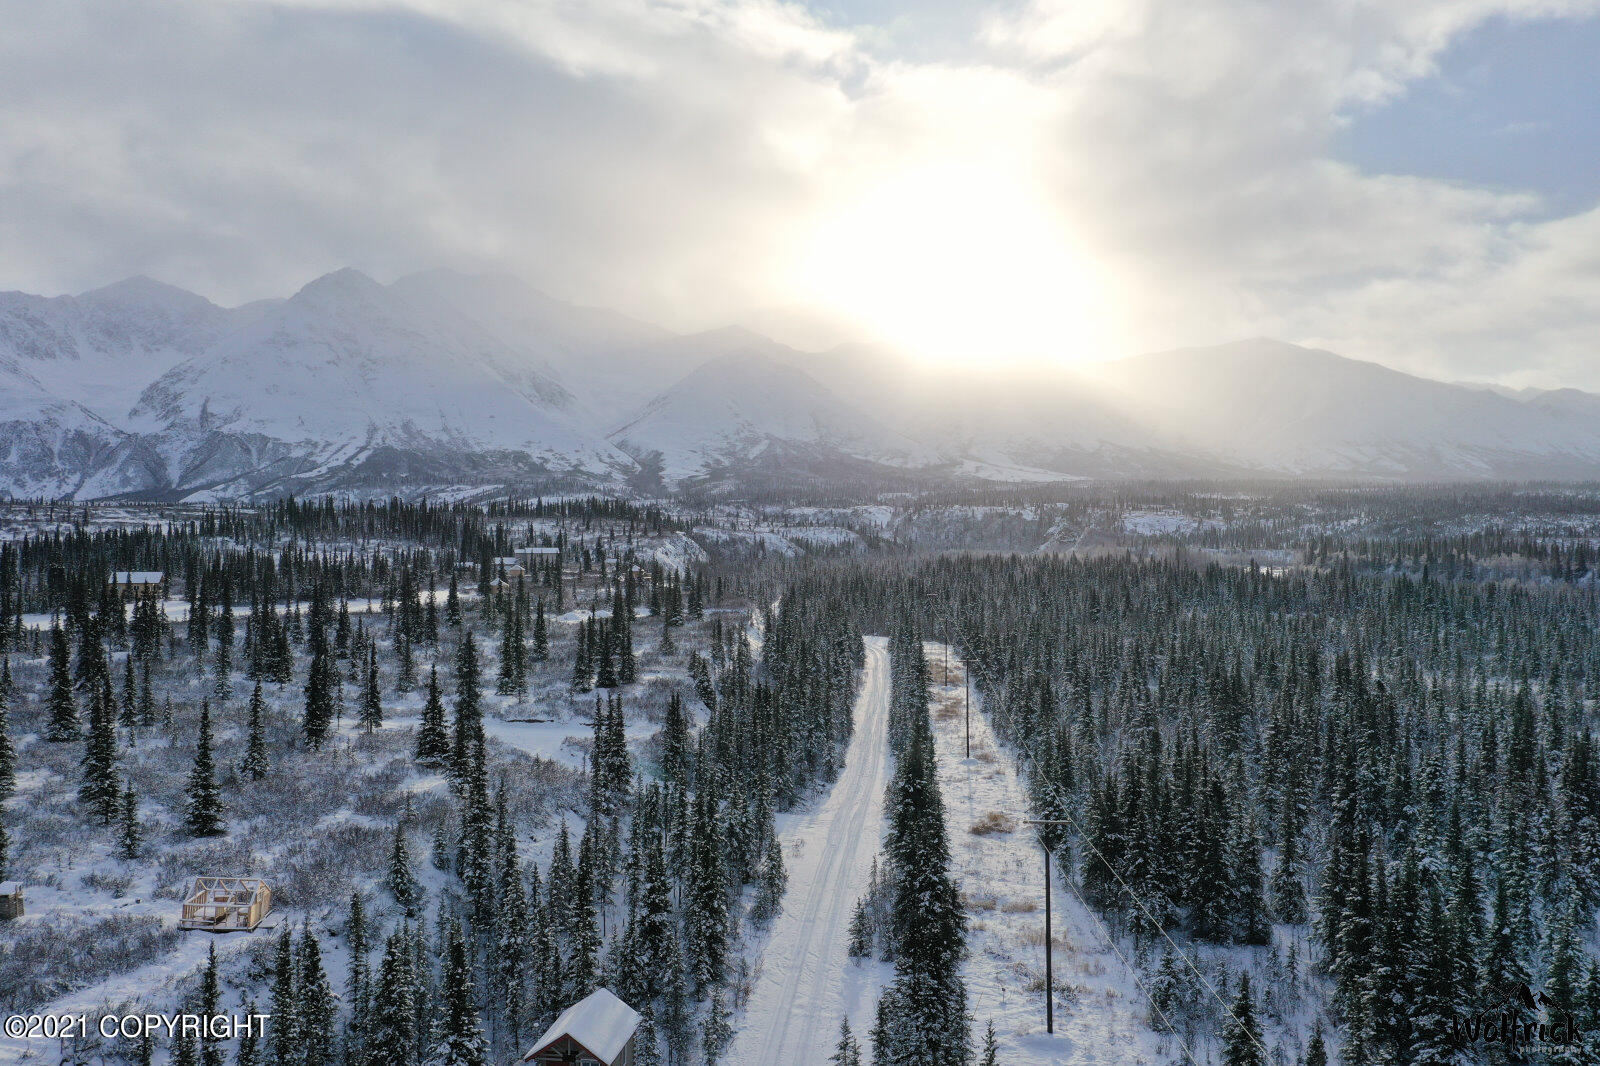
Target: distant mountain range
[445, 381]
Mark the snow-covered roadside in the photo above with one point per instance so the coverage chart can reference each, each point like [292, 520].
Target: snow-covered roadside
[1100, 1013]
[807, 981]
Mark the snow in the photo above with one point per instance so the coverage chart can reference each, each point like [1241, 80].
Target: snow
[1100, 1012]
[600, 1022]
[807, 981]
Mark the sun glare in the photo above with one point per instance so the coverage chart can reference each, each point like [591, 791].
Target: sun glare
[958, 263]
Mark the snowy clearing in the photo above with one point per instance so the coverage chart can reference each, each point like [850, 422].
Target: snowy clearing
[1100, 1013]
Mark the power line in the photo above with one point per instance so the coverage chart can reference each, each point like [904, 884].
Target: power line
[1156, 923]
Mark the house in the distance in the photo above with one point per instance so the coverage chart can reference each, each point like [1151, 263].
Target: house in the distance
[596, 1031]
[533, 556]
[135, 582]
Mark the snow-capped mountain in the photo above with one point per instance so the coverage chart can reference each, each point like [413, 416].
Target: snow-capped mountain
[445, 379]
[349, 373]
[745, 409]
[1274, 407]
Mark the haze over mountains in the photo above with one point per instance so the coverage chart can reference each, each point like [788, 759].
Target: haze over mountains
[442, 380]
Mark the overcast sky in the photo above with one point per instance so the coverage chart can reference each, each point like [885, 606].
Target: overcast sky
[1412, 181]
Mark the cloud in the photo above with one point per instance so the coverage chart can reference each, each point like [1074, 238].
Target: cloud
[690, 160]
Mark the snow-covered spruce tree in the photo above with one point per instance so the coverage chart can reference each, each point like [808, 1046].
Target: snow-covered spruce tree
[5, 849]
[101, 790]
[433, 739]
[991, 1047]
[202, 798]
[706, 896]
[248, 1052]
[847, 1052]
[540, 651]
[716, 1031]
[358, 981]
[392, 1039]
[1241, 1037]
[467, 735]
[371, 697]
[461, 1041]
[315, 1009]
[63, 721]
[256, 761]
[647, 1042]
[322, 695]
[8, 750]
[284, 1028]
[211, 1049]
[401, 881]
[926, 1021]
[129, 834]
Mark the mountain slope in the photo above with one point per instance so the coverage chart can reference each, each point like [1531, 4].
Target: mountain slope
[748, 409]
[1279, 408]
[349, 372]
[101, 348]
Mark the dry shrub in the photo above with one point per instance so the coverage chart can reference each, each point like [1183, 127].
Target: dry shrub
[993, 822]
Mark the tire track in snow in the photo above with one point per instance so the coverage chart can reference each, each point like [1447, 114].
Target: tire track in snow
[792, 1017]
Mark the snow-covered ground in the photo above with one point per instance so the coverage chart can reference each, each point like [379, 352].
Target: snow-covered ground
[807, 981]
[1100, 1013]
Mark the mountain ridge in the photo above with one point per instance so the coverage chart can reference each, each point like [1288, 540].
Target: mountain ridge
[445, 378]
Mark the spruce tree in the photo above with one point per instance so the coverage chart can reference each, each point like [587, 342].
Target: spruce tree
[991, 1047]
[717, 1032]
[63, 723]
[433, 739]
[847, 1052]
[256, 762]
[249, 1050]
[129, 836]
[1241, 1034]
[8, 750]
[211, 1051]
[284, 1028]
[203, 799]
[322, 697]
[1316, 1051]
[392, 1040]
[401, 882]
[371, 698]
[468, 734]
[101, 789]
[461, 1041]
[315, 1009]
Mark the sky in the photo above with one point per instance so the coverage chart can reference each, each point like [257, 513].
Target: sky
[1415, 182]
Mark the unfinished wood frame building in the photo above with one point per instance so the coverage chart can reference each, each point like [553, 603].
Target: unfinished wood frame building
[225, 904]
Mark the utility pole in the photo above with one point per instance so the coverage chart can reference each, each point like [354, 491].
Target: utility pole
[1049, 975]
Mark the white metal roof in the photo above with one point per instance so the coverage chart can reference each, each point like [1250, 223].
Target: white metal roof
[137, 577]
[538, 551]
[601, 1022]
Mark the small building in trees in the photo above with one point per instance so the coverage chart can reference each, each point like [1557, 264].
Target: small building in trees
[225, 904]
[506, 567]
[530, 557]
[598, 1030]
[10, 900]
[135, 582]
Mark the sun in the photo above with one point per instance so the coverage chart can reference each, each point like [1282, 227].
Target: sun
[958, 263]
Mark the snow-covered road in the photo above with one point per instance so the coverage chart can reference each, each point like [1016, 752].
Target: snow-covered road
[807, 981]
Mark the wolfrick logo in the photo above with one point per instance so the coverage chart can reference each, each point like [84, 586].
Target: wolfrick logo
[1519, 1020]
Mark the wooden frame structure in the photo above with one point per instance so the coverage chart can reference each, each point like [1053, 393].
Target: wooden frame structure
[225, 904]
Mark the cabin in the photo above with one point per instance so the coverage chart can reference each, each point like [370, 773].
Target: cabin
[135, 582]
[528, 558]
[508, 568]
[225, 904]
[598, 1030]
[10, 900]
